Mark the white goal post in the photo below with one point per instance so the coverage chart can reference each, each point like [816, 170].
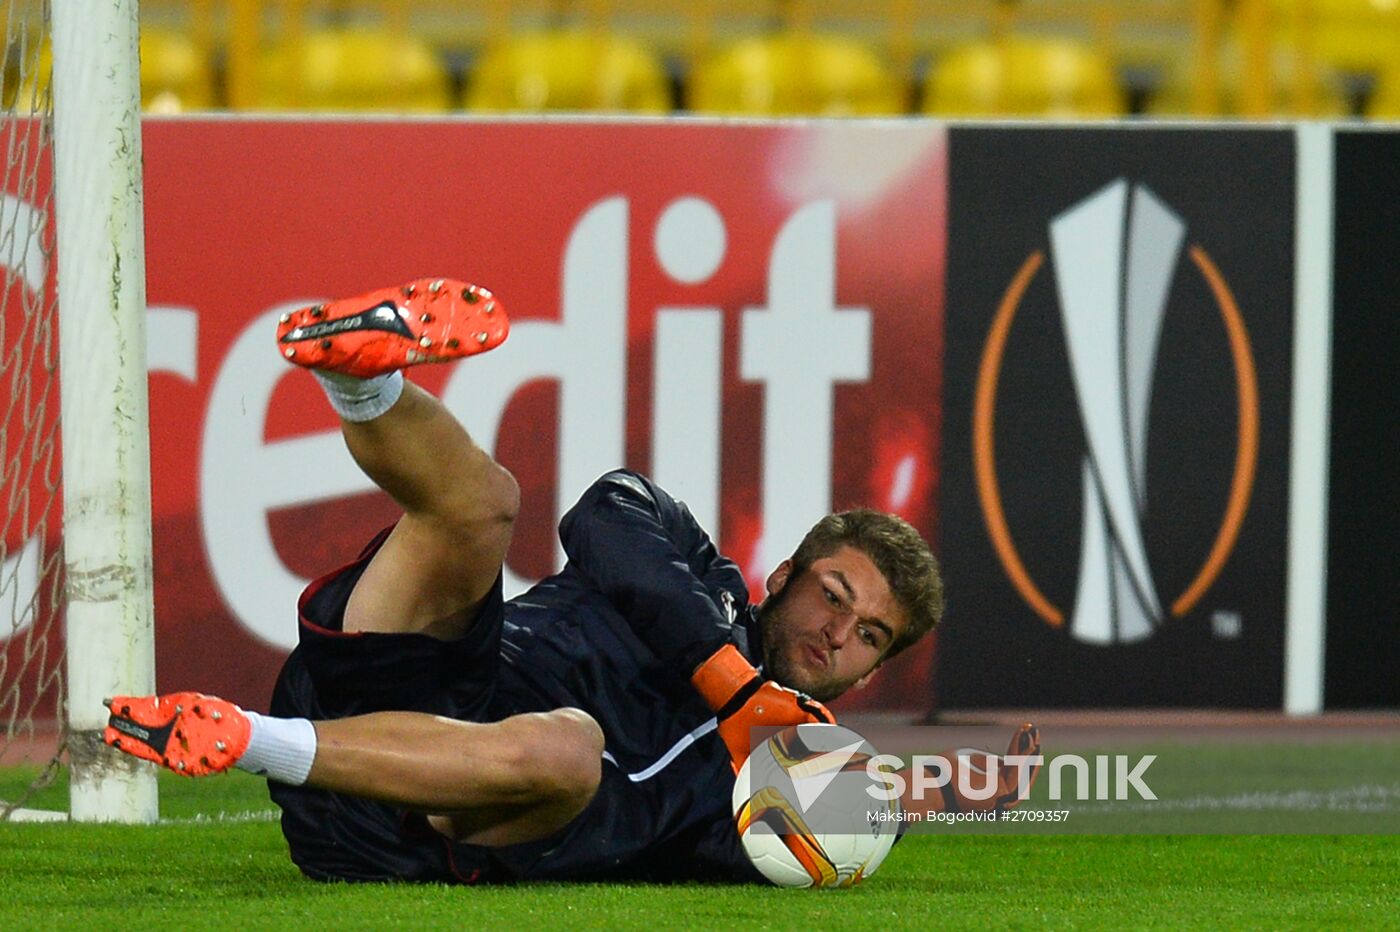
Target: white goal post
[102, 363]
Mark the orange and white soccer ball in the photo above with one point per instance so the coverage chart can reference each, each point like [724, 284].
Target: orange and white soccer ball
[804, 813]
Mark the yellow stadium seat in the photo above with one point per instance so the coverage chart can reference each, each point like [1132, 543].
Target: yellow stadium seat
[1024, 77]
[353, 70]
[568, 70]
[26, 78]
[1325, 96]
[1385, 100]
[175, 75]
[1361, 36]
[796, 74]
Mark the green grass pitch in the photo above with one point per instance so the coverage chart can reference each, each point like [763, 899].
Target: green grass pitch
[217, 860]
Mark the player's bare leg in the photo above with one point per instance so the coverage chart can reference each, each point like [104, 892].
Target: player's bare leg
[459, 504]
[459, 508]
[501, 783]
[494, 784]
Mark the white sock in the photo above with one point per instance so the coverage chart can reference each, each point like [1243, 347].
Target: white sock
[360, 399]
[280, 749]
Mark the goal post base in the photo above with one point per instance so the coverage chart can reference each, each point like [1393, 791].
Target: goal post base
[105, 785]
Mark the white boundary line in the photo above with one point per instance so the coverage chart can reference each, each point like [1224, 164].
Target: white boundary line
[223, 818]
[37, 815]
[1305, 601]
[218, 818]
[1370, 798]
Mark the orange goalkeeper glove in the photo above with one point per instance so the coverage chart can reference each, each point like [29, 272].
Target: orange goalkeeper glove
[742, 700]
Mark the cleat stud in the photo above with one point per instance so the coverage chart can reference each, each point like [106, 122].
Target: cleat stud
[180, 766]
[289, 352]
[216, 715]
[426, 318]
[425, 342]
[220, 746]
[325, 344]
[490, 306]
[318, 311]
[453, 343]
[285, 318]
[126, 710]
[117, 743]
[481, 338]
[179, 709]
[204, 762]
[409, 290]
[435, 287]
[470, 296]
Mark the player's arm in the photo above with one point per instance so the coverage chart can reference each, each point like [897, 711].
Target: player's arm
[645, 552]
[649, 556]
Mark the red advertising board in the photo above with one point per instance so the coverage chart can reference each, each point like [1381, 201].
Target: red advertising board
[752, 314]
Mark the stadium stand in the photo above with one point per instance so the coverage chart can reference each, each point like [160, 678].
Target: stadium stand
[1024, 76]
[796, 73]
[1385, 102]
[1010, 58]
[1295, 89]
[353, 70]
[568, 70]
[1354, 36]
[175, 75]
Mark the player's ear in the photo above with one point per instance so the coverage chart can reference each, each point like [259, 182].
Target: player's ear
[864, 681]
[779, 577]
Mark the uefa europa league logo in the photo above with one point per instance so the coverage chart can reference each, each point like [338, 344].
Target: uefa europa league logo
[1112, 319]
[1115, 255]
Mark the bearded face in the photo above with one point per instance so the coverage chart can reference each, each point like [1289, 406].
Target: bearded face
[827, 628]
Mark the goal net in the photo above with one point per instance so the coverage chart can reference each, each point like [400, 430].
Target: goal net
[75, 600]
[31, 656]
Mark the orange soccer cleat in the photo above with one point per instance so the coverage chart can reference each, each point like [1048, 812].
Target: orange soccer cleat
[190, 733]
[427, 320]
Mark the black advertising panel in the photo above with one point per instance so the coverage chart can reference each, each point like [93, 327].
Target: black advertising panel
[1363, 596]
[1116, 433]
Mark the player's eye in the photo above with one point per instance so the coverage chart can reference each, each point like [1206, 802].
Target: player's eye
[831, 597]
[867, 635]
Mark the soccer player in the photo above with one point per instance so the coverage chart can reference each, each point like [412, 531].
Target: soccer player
[424, 729]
